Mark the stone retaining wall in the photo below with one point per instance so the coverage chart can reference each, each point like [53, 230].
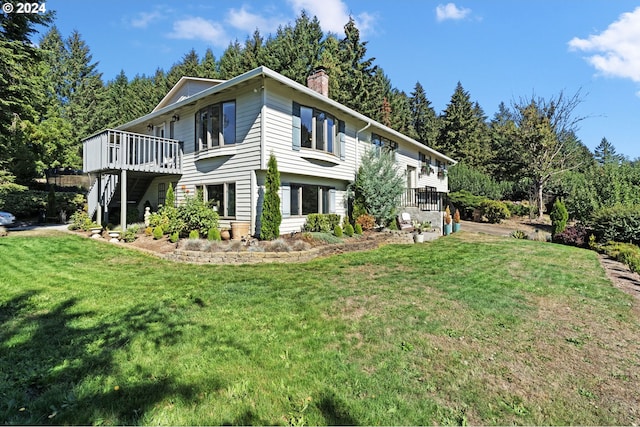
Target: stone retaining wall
[256, 257]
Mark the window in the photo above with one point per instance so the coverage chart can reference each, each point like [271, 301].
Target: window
[383, 143]
[216, 125]
[316, 129]
[309, 199]
[221, 197]
[162, 193]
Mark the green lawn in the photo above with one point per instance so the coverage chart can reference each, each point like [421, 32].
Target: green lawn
[467, 329]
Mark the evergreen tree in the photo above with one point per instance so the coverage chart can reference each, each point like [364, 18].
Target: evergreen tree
[253, 52]
[424, 124]
[208, 66]
[507, 162]
[378, 186]
[459, 124]
[231, 61]
[605, 153]
[355, 90]
[271, 217]
[83, 90]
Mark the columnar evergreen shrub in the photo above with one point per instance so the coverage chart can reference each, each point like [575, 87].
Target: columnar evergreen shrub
[337, 231]
[559, 217]
[170, 198]
[174, 237]
[271, 217]
[194, 234]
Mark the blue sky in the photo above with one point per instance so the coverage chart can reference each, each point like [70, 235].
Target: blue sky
[500, 50]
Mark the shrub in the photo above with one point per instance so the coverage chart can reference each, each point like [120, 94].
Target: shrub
[626, 253]
[25, 203]
[337, 231]
[148, 231]
[271, 217]
[378, 186]
[518, 209]
[618, 224]
[194, 214]
[214, 234]
[131, 233]
[348, 230]
[559, 217]
[358, 229]
[324, 223]
[463, 177]
[157, 233]
[466, 203]
[494, 211]
[174, 237]
[519, 234]
[366, 222]
[80, 221]
[573, 236]
[194, 234]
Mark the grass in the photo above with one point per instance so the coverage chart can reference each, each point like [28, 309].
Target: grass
[463, 330]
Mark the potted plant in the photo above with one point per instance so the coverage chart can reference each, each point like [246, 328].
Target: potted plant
[447, 221]
[418, 237]
[456, 221]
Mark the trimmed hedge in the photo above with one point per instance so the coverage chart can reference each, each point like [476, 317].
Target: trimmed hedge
[26, 203]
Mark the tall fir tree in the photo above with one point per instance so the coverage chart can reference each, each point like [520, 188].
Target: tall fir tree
[231, 61]
[605, 153]
[425, 122]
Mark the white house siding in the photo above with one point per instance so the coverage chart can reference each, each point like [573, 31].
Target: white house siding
[278, 138]
[208, 168]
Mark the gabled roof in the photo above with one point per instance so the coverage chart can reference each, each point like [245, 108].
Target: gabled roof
[165, 106]
[186, 88]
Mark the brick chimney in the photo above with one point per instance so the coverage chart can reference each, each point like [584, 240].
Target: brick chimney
[319, 81]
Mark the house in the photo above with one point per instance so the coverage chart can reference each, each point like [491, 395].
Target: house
[217, 136]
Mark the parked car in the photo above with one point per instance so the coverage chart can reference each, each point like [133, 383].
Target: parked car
[6, 219]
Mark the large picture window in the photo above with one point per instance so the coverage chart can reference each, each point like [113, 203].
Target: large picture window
[317, 129]
[221, 197]
[309, 199]
[216, 125]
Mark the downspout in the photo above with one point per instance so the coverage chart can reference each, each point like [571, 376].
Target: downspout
[358, 144]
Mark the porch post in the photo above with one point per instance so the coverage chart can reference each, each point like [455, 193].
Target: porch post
[123, 200]
[100, 201]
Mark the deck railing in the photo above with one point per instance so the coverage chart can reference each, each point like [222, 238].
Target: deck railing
[425, 198]
[119, 150]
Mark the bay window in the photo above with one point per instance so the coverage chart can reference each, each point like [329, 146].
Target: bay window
[216, 125]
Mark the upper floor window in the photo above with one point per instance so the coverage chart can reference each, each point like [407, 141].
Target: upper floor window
[216, 125]
[317, 130]
[383, 143]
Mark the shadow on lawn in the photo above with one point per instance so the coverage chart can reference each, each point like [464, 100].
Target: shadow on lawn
[54, 371]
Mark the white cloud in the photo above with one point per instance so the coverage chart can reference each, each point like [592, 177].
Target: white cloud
[199, 29]
[616, 49]
[451, 11]
[144, 19]
[243, 19]
[333, 15]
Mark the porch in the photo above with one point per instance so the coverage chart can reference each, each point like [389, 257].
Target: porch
[425, 199]
[125, 162]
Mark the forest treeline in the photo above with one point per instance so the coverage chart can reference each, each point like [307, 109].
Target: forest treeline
[52, 95]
